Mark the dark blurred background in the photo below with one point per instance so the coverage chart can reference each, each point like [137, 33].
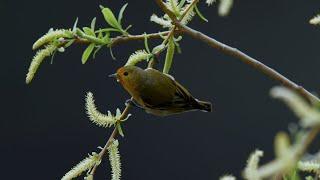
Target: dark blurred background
[44, 128]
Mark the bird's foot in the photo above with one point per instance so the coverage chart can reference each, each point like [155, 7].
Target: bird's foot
[132, 102]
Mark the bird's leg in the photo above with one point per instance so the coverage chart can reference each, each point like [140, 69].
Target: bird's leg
[133, 103]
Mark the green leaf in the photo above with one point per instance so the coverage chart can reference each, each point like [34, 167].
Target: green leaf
[86, 54]
[158, 48]
[89, 31]
[175, 8]
[126, 30]
[110, 18]
[100, 35]
[121, 13]
[181, 4]
[69, 34]
[52, 57]
[108, 30]
[96, 51]
[120, 129]
[69, 43]
[179, 38]
[74, 29]
[200, 15]
[106, 38]
[93, 23]
[178, 47]
[169, 56]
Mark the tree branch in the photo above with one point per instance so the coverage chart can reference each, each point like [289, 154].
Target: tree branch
[124, 39]
[273, 74]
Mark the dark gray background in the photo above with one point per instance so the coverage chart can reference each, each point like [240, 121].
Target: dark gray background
[44, 128]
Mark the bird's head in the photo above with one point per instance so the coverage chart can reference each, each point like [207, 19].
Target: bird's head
[129, 76]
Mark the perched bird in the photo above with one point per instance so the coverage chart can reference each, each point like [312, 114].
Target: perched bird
[157, 93]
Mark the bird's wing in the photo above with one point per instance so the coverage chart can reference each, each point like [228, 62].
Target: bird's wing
[164, 93]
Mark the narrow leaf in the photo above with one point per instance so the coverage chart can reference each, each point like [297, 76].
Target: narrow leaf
[86, 54]
[126, 30]
[120, 130]
[181, 4]
[200, 15]
[158, 48]
[169, 56]
[109, 17]
[108, 30]
[106, 38]
[101, 7]
[178, 47]
[120, 16]
[74, 29]
[93, 23]
[89, 31]
[100, 35]
[96, 51]
[69, 43]
[174, 7]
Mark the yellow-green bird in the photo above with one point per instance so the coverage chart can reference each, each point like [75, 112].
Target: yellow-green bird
[158, 93]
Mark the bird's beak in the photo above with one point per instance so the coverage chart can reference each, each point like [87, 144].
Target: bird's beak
[113, 75]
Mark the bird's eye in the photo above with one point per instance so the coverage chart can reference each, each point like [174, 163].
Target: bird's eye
[125, 73]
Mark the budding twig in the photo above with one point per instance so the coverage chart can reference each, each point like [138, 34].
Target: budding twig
[113, 135]
[124, 39]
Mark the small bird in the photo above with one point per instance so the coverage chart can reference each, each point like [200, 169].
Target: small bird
[159, 94]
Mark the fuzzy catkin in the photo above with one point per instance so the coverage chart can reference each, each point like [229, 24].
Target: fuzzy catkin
[114, 158]
[84, 165]
[103, 120]
[50, 36]
[38, 59]
[137, 57]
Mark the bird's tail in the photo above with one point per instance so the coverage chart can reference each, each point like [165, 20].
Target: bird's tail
[204, 106]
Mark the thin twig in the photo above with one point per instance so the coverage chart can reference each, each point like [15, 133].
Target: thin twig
[238, 54]
[173, 30]
[273, 74]
[124, 39]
